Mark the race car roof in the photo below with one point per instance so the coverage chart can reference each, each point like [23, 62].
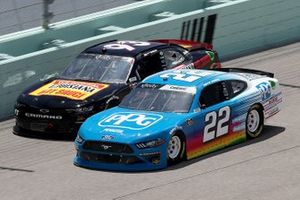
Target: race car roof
[190, 77]
[123, 48]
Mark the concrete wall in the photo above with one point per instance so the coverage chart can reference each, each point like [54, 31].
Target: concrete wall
[241, 27]
[17, 15]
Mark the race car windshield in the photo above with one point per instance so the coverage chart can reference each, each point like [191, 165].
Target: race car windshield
[158, 99]
[100, 68]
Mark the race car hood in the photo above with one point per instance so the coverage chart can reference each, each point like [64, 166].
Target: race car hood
[60, 93]
[127, 126]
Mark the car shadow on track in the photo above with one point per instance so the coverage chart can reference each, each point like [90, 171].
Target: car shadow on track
[268, 132]
[48, 136]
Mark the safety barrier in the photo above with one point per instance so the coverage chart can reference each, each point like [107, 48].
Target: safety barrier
[234, 27]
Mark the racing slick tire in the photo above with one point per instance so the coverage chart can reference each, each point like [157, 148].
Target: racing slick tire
[176, 148]
[254, 121]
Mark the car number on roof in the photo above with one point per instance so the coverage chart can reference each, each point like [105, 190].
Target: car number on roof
[185, 75]
[126, 45]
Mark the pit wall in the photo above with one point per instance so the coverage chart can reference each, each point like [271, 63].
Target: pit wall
[235, 28]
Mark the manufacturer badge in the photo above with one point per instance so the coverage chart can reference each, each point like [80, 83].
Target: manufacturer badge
[105, 147]
[44, 110]
[107, 137]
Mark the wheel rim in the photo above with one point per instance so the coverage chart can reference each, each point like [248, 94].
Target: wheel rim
[253, 121]
[174, 147]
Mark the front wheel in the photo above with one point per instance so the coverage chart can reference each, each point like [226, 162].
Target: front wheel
[254, 121]
[176, 148]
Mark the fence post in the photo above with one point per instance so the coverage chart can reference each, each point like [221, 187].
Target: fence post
[47, 16]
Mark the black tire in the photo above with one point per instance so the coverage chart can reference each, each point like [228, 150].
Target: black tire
[254, 121]
[179, 155]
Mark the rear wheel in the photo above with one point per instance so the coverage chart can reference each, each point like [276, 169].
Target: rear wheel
[176, 148]
[254, 121]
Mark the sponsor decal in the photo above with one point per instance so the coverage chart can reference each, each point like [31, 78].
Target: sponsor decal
[273, 101]
[149, 85]
[75, 90]
[42, 116]
[132, 79]
[265, 90]
[211, 55]
[273, 84]
[175, 88]
[113, 130]
[132, 121]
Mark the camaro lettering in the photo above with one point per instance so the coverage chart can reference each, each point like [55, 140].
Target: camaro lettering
[32, 115]
[135, 121]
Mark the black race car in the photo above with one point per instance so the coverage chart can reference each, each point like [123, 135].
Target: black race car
[98, 78]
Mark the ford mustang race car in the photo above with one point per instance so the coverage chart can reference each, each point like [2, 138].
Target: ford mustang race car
[178, 114]
[99, 78]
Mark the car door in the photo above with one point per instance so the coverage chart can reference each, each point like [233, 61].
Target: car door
[213, 120]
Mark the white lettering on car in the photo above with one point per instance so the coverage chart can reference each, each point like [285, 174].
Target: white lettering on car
[186, 76]
[128, 45]
[134, 121]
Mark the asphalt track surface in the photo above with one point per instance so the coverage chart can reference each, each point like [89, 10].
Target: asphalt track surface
[264, 168]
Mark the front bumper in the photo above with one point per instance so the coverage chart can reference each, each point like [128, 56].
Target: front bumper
[31, 120]
[48, 127]
[137, 160]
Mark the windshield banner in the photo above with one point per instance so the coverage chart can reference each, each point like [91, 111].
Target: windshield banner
[76, 90]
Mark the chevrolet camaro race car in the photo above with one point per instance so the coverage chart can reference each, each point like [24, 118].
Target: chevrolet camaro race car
[178, 114]
[99, 78]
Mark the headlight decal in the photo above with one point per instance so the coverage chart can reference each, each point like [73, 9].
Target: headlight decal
[150, 144]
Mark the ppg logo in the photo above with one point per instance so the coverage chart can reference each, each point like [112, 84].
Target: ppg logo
[133, 121]
[265, 89]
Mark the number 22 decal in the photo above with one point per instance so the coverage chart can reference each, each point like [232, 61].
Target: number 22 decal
[217, 124]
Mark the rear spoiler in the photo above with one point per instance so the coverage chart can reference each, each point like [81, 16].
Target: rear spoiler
[187, 44]
[242, 70]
